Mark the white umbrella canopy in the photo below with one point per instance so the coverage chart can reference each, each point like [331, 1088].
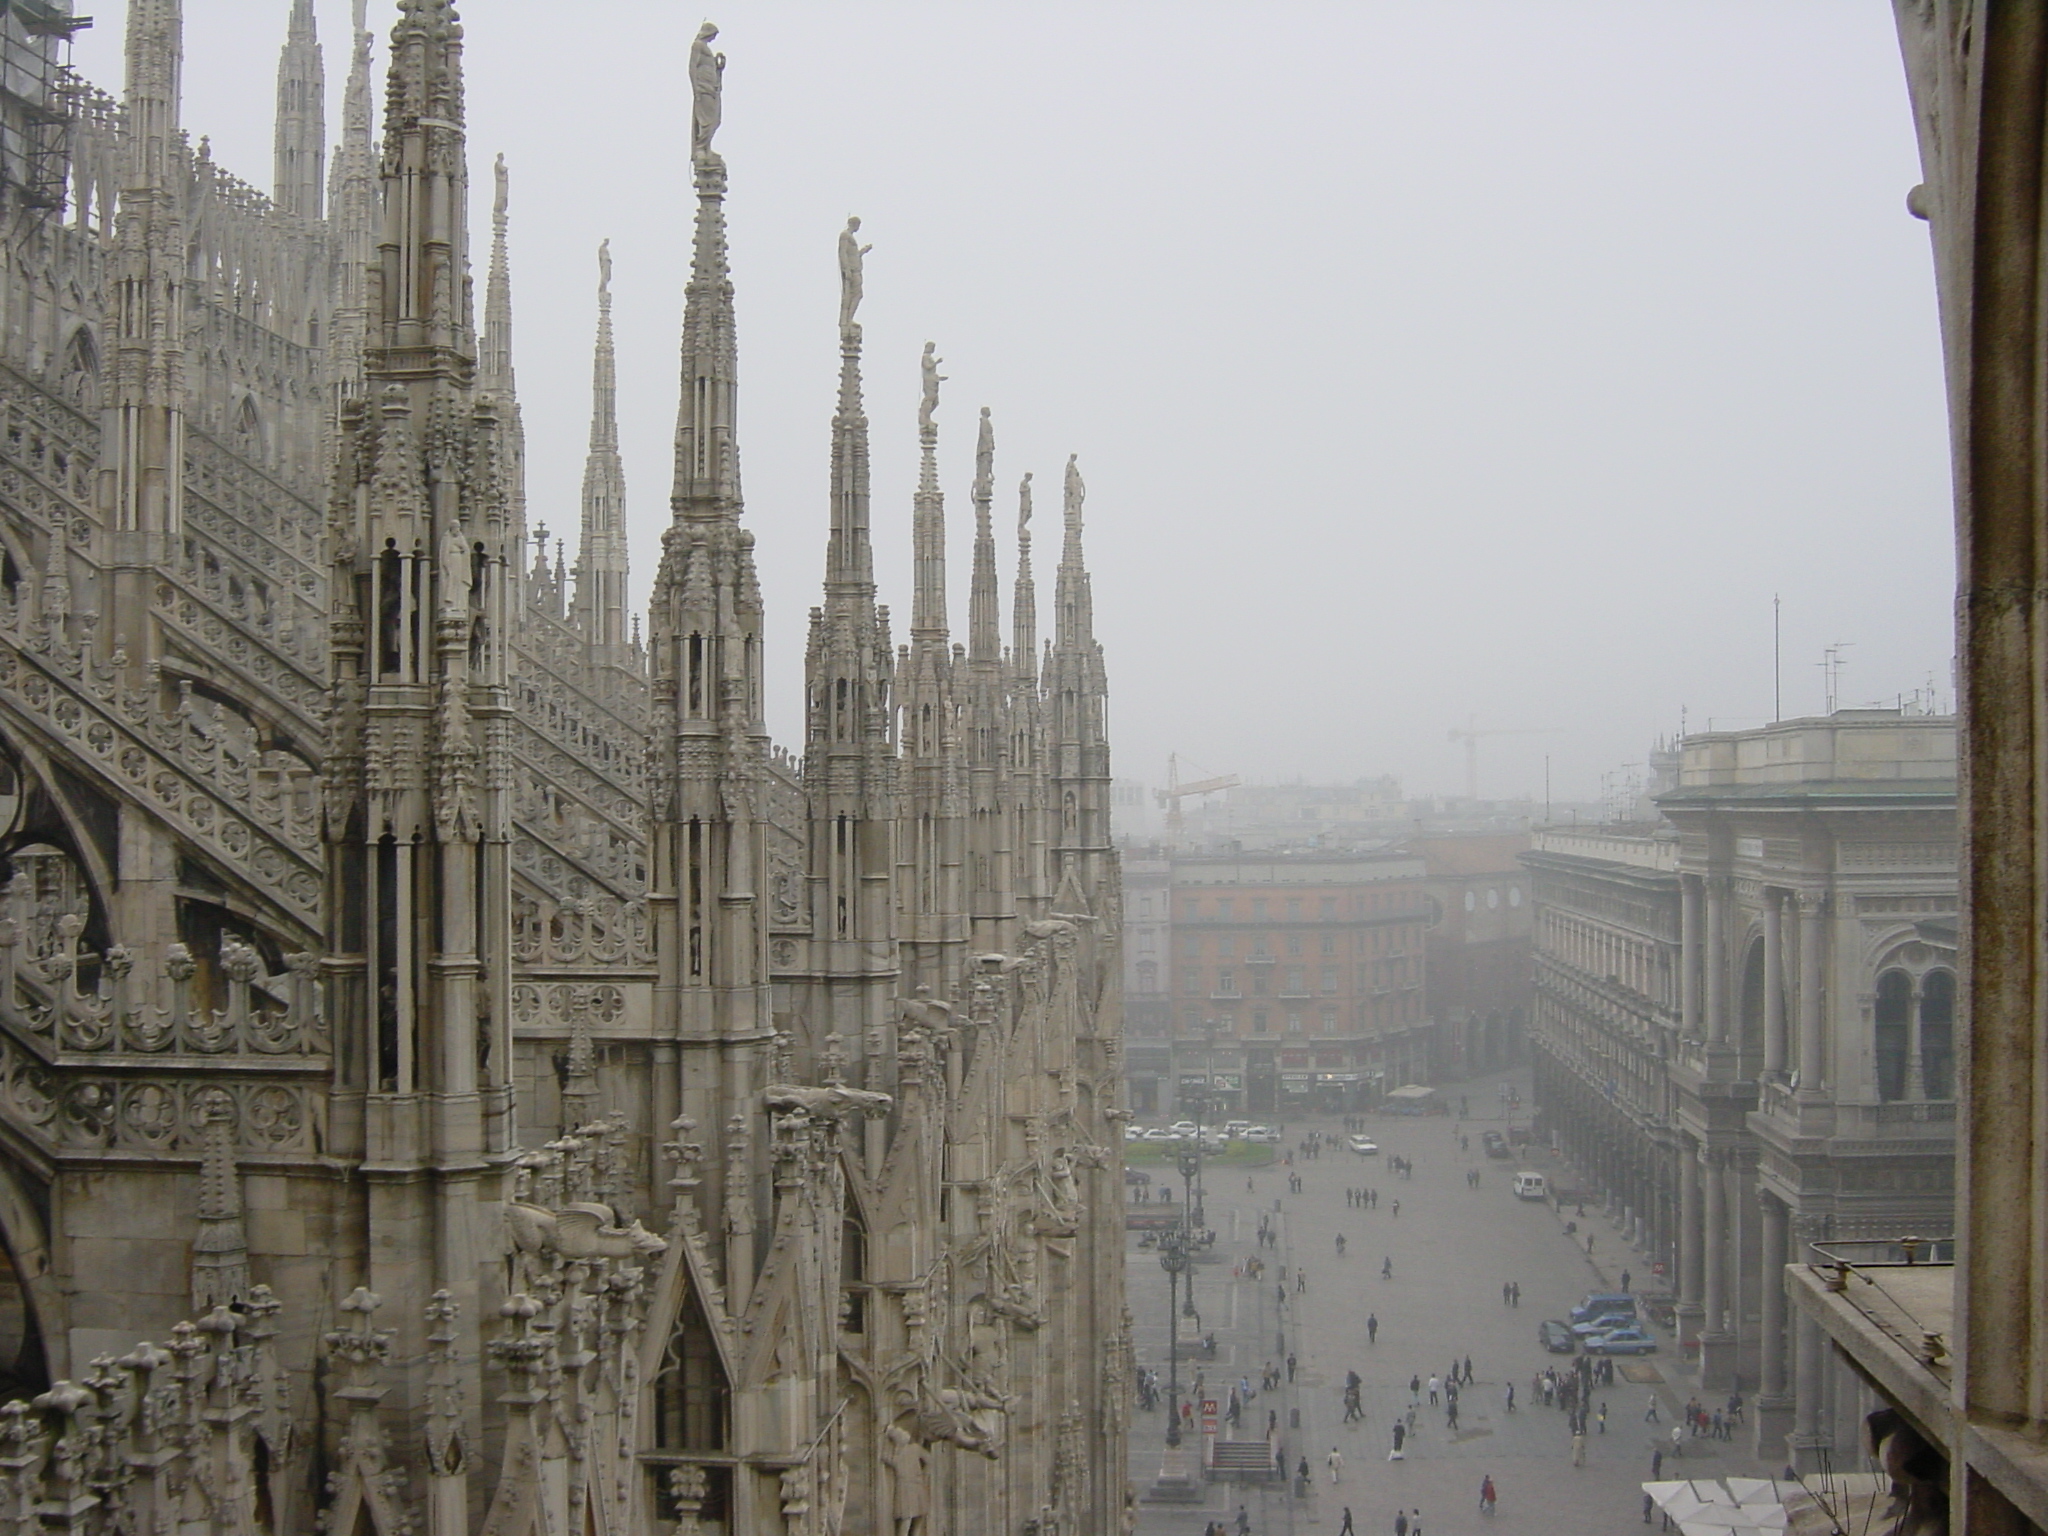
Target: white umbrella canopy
[1706, 1507]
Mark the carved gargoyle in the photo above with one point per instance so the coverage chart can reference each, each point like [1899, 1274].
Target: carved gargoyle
[584, 1230]
[833, 1099]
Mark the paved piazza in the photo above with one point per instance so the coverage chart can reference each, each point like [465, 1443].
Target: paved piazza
[1452, 1248]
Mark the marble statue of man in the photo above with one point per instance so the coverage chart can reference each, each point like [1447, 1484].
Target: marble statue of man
[928, 367]
[985, 458]
[1024, 504]
[910, 1463]
[850, 253]
[604, 265]
[707, 85]
[1076, 491]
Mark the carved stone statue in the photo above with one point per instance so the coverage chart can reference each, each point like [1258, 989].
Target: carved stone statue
[850, 253]
[923, 1011]
[707, 88]
[928, 367]
[910, 1470]
[1076, 490]
[1024, 505]
[985, 458]
[604, 266]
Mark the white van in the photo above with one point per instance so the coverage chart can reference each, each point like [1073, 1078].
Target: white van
[1530, 1186]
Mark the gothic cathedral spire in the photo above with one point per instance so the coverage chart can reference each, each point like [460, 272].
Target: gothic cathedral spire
[301, 128]
[929, 852]
[418, 827]
[495, 372]
[601, 570]
[849, 745]
[1077, 688]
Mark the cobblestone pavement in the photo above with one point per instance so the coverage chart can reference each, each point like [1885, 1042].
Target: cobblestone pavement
[1452, 1248]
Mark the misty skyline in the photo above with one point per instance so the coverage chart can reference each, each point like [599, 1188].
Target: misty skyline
[1495, 363]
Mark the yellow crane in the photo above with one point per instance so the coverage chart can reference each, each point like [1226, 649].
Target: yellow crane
[1175, 792]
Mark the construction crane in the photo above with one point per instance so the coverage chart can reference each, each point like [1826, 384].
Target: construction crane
[1175, 792]
[1470, 733]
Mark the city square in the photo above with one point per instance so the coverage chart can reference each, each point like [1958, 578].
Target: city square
[1452, 1248]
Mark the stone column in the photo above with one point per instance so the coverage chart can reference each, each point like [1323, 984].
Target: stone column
[1711, 959]
[1774, 982]
[1689, 1244]
[1812, 931]
[1689, 956]
[1808, 1446]
[1773, 1403]
[1717, 1340]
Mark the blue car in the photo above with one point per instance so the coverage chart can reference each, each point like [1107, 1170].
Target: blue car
[1621, 1341]
[1606, 1323]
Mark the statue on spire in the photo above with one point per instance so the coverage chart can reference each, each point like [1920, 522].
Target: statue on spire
[604, 270]
[985, 458]
[1024, 507]
[928, 367]
[850, 253]
[707, 87]
[503, 200]
[1076, 491]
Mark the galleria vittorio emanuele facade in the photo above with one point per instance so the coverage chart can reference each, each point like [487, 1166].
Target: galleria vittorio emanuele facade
[456, 1072]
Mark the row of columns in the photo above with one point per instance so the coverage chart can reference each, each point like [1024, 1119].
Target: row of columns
[1705, 916]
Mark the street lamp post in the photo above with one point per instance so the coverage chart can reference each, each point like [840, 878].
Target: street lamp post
[1190, 1168]
[1173, 1258]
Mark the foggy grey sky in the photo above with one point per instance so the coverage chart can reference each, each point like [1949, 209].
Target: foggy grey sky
[1487, 360]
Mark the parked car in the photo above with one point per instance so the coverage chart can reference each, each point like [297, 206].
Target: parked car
[1184, 1127]
[1133, 1133]
[1236, 1128]
[1604, 1303]
[1555, 1337]
[1364, 1146]
[1265, 1135]
[1137, 1176]
[1159, 1134]
[1605, 1323]
[1496, 1145]
[1530, 1186]
[1621, 1341]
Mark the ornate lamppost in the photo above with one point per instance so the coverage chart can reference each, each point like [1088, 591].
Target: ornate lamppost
[1173, 1258]
[1190, 1169]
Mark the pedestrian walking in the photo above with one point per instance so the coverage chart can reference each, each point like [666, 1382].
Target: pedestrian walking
[1650, 1413]
[1336, 1464]
[1516, 1290]
[1451, 1416]
[1435, 1386]
[1648, 1505]
[1468, 1370]
[1280, 1459]
[1486, 1495]
[1503, 1293]
[1397, 1207]
[1244, 1522]
[1415, 1523]
[1401, 1522]
[1400, 1439]
[1603, 1418]
[1290, 1369]
[1300, 1281]
[1347, 1528]
[1511, 1397]
[1677, 1439]
[1372, 1328]
[1657, 1464]
[1624, 1279]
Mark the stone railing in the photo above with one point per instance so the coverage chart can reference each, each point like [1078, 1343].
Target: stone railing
[72, 1000]
[593, 933]
[189, 764]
